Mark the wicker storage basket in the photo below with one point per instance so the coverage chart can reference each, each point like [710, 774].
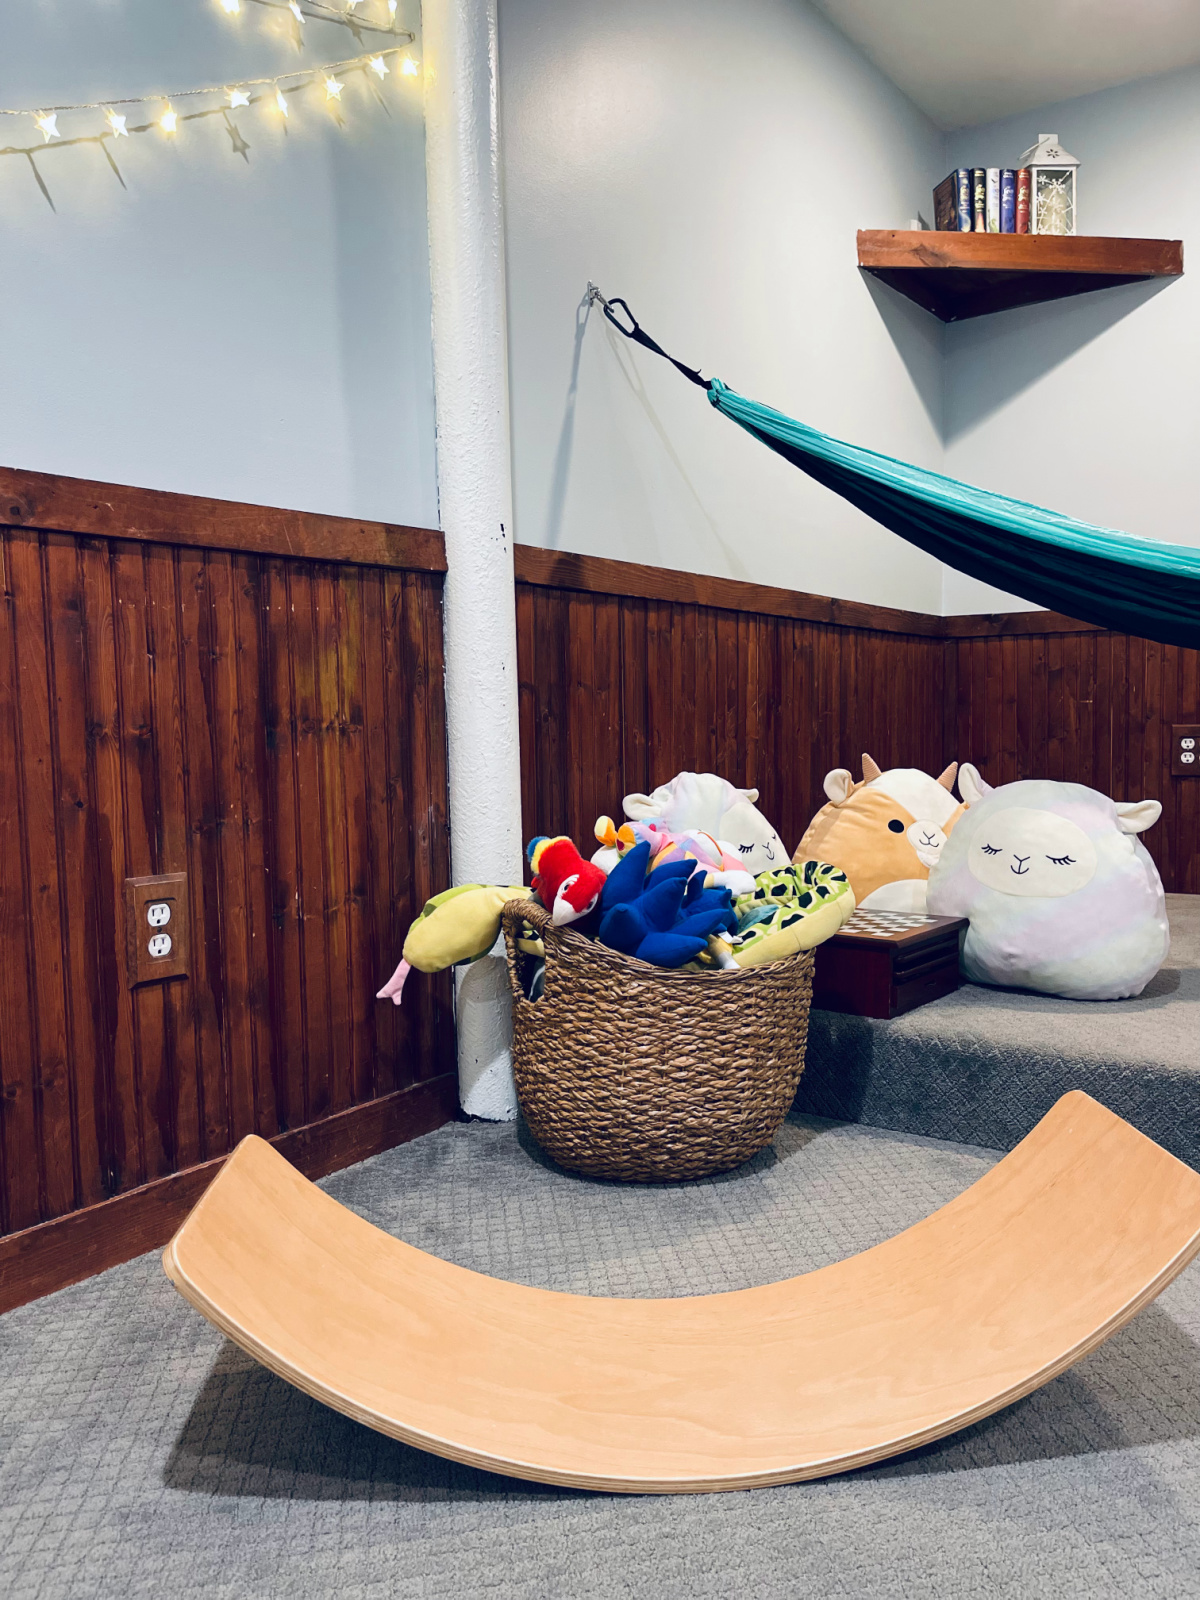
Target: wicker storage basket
[625, 1070]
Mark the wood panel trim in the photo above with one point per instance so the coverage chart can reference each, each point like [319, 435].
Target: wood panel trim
[47, 501]
[562, 569]
[55, 1254]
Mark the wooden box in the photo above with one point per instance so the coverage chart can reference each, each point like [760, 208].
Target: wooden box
[884, 963]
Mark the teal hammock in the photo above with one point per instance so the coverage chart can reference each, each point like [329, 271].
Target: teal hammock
[1097, 575]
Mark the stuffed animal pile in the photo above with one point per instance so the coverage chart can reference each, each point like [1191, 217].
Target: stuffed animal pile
[1060, 895]
[694, 877]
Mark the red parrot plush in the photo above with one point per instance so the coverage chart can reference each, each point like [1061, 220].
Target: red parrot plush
[568, 886]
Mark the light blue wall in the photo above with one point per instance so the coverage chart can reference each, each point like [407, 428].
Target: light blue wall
[714, 167]
[255, 331]
[713, 164]
[1092, 405]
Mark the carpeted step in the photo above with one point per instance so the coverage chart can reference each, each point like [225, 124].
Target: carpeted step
[982, 1066]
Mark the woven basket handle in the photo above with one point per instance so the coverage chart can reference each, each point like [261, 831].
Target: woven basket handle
[513, 914]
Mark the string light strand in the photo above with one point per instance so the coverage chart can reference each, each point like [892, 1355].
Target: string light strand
[167, 121]
[300, 76]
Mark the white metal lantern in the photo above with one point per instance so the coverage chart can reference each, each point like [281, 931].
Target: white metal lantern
[1051, 186]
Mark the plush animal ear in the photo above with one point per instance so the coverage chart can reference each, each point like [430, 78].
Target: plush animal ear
[1135, 816]
[839, 785]
[749, 794]
[970, 785]
[946, 779]
[640, 806]
[871, 769]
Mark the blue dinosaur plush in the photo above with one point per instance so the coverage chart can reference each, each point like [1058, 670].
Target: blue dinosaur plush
[666, 918]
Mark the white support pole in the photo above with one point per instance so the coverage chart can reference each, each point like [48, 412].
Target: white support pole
[470, 350]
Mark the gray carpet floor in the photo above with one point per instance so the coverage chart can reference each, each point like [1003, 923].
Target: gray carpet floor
[984, 1064]
[143, 1456]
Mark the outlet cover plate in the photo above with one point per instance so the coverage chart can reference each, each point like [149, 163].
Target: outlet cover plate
[140, 895]
[1181, 767]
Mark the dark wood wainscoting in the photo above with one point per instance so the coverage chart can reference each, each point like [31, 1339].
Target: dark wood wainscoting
[1085, 707]
[630, 674]
[256, 703]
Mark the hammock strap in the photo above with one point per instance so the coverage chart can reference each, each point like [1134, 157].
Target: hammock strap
[637, 333]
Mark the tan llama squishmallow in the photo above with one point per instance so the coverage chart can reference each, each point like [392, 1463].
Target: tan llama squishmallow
[885, 832]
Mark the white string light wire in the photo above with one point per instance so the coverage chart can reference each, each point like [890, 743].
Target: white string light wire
[302, 75]
[273, 90]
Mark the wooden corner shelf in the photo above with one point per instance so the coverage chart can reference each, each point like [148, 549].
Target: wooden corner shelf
[961, 275]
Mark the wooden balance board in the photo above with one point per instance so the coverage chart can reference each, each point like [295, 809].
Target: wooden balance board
[1062, 1242]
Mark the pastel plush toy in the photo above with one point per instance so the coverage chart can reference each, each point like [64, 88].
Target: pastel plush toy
[793, 908]
[567, 885]
[702, 800]
[1061, 895]
[665, 918]
[616, 842]
[885, 832]
[458, 925]
[722, 867]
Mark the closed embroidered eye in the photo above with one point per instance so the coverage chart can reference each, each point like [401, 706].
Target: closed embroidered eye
[991, 850]
[1062, 861]
[746, 849]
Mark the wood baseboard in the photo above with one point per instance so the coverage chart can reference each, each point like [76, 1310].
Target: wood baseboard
[37, 1261]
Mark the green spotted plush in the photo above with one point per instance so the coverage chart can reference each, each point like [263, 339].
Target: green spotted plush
[792, 908]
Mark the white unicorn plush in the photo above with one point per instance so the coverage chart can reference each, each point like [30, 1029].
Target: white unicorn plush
[1062, 897]
[711, 804]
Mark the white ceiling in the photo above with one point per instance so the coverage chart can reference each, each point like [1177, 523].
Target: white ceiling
[971, 61]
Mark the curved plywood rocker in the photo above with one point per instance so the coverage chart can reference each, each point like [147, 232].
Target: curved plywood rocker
[1059, 1245]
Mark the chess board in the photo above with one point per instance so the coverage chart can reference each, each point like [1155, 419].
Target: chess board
[884, 963]
[883, 924]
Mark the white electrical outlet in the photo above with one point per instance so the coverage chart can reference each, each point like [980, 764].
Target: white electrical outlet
[152, 906]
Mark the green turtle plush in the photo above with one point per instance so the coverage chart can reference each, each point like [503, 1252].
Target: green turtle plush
[792, 908]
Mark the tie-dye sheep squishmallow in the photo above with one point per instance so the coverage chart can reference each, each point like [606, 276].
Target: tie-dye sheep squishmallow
[1061, 895]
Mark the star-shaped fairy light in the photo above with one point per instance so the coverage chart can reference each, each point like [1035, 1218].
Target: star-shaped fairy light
[238, 97]
[47, 124]
[294, 8]
[409, 67]
[232, 6]
[378, 66]
[117, 123]
[169, 121]
[333, 89]
[281, 101]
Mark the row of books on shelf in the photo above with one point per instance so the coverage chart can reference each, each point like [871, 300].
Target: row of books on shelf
[983, 200]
